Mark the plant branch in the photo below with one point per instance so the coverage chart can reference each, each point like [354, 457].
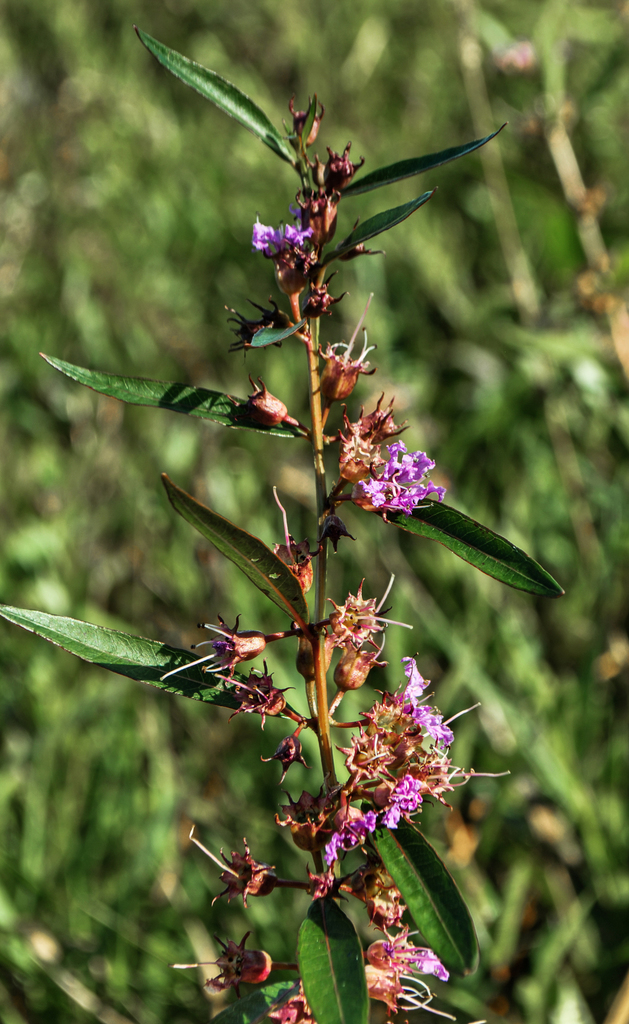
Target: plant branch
[318, 651]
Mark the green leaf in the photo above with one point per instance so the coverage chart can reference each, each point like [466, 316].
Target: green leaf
[431, 894]
[331, 965]
[376, 225]
[209, 405]
[223, 94]
[132, 656]
[271, 335]
[408, 168]
[479, 546]
[269, 573]
[257, 1005]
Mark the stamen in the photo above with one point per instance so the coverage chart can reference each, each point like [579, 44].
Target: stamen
[189, 664]
[459, 713]
[223, 867]
[392, 622]
[285, 520]
[387, 592]
[360, 323]
[183, 967]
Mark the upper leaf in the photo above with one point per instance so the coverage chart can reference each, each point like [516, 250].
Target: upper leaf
[331, 965]
[376, 225]
[271, 335]
[209, 405]
[132, 656]
[416, 165]
[257, 1005]
[269, 573]
[223, 94]
[479, 546]
[431, 894]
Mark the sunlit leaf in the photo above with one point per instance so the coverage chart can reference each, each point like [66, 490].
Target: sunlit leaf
[431, 894]
[331, 965]
[223, 94]
[253, 1009]
[132, 656]
[271, 335]
[376, 225]
[208, 405]
[479, 546]
[416, 165]
[268, 572]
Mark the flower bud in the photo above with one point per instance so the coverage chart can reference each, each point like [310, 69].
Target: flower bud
[288, 752]
[298, 558]
[340, 170]
[354, 667]
[299, 120]
[334, 528]
[238, 964]
[319, 212]
[265, 407]
[319, 300]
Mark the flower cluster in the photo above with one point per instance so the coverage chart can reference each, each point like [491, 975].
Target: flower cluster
[397, 759]
[401, 484]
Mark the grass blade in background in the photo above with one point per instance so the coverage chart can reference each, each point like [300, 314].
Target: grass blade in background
[223, 94]
[255, 1007]
[163, 394]
[376, 225]
[417, 165]
[127, 655]
[331, 965]
[431, 895]
[478, 545]
[268, 572]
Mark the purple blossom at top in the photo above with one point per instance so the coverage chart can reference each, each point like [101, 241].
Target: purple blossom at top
[349, 835]
[406, 797]
[271, 240]
[402, 484]
[422, 714]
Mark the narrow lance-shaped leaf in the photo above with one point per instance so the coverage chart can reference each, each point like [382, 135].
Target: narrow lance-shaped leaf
[127, 655]
[479, 546]
[376, 225]
[226, 96]
[331, 965]
[268, 572]
[416, 165]
[271, 335]
[163, 394]
[253, 1009]
[431, 894]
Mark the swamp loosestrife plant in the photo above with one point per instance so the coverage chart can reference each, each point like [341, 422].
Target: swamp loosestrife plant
[397, 756]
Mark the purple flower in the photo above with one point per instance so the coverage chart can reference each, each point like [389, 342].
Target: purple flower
[406, 797]
[416, 682]
[403, 954]
[271, 240]
[422, 714]
[355, 827]
[402, 484]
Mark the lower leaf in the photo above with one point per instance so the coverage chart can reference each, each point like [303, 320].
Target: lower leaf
[331, 965]
[431, 894]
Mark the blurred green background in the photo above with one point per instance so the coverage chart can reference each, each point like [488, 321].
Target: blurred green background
[126, 205]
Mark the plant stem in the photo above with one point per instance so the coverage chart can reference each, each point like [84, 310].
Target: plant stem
[318, 651]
